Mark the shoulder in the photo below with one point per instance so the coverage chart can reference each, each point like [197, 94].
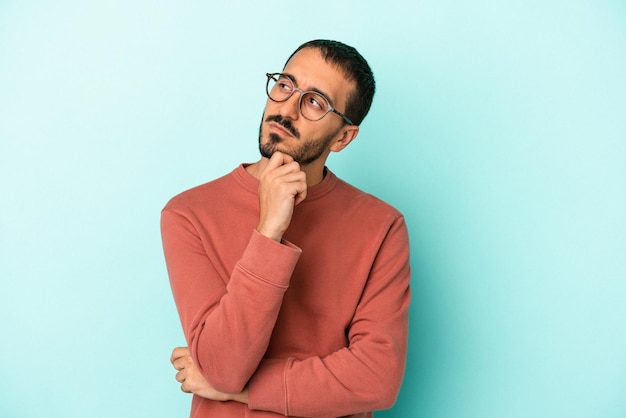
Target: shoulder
[366, 204]
[360, 198]
[200, 195]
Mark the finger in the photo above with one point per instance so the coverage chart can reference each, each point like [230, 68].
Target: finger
[287, 168]
[301, 195]
[293, 184]
[184, 388]
[278, 159]
[286, 158]
[298, 181]
[179, 352]
[178, 364]
[289, 174]
[181, 376]
[182, 362]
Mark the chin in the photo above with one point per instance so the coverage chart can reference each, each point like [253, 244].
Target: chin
[268, 149]
[270, 145]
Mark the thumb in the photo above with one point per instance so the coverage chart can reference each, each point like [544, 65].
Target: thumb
[278, 159]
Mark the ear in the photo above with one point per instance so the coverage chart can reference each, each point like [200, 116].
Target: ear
[346, 135]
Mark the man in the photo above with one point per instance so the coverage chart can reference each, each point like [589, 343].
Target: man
[291, 285]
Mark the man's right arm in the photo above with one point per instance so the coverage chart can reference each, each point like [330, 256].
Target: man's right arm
[228, 321]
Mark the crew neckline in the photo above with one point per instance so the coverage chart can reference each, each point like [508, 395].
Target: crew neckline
[250, 183]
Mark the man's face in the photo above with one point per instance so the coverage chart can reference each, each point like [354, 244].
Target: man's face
[284, 129]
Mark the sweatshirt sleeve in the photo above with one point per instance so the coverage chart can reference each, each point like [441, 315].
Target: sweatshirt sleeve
[227, 317]
[367, 374]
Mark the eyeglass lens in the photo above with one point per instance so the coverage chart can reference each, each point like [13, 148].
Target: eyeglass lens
[313, 106]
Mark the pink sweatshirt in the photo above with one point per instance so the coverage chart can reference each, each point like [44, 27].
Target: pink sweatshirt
[315, 326]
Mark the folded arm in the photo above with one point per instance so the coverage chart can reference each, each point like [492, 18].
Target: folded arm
[227, 320]
[367, 374]
[364, 376]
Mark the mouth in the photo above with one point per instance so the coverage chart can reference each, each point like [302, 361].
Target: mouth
[276, 127]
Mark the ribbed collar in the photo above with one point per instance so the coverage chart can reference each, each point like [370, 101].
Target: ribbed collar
[251, 184]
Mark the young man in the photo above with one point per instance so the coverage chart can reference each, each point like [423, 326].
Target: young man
[291, 285]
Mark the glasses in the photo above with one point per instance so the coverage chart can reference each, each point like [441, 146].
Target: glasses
[313, 106]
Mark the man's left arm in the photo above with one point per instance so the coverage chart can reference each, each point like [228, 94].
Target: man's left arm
[367, 374]
[364, 376]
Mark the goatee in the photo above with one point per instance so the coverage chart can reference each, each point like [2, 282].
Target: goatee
[305, 153]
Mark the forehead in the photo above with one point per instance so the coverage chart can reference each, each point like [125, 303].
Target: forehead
[311, 72]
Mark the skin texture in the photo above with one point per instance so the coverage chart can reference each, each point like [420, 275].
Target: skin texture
[310, 71]
[305, 154]
[191, 379]
[294, 152]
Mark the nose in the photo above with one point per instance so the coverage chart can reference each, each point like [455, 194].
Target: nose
[290, 108]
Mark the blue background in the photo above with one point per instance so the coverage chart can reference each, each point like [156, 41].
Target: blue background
[499, 129]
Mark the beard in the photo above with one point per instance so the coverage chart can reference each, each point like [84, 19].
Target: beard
[305, 153]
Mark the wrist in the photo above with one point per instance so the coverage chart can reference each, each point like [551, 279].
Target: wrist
[271, 234]
[241, 397]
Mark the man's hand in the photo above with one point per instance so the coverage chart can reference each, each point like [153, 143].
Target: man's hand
[282, 186]
[193, 382]
[190, 378]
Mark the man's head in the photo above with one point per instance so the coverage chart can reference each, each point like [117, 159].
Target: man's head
[309, 126]
[354, 67]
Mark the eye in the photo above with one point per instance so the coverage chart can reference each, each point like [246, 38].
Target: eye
[284, 84]
[314, 101]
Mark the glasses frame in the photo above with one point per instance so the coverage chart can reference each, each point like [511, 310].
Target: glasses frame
[270, 76]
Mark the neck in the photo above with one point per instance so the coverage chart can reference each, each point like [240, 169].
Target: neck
[314, 172]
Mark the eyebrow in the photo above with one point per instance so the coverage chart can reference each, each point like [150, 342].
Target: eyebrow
[316, 90]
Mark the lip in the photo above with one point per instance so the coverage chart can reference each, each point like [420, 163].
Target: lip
[279, 128]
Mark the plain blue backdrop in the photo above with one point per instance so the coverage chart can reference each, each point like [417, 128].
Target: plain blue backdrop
[498, 129]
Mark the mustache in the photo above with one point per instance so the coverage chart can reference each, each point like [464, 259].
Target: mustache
[285, 123]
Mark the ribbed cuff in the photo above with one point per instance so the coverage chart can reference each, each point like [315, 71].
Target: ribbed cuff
[269, 260]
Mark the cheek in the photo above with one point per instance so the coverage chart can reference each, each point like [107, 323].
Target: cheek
[327, 129]
[271, 108]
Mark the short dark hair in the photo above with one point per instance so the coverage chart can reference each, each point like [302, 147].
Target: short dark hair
[354, 67]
